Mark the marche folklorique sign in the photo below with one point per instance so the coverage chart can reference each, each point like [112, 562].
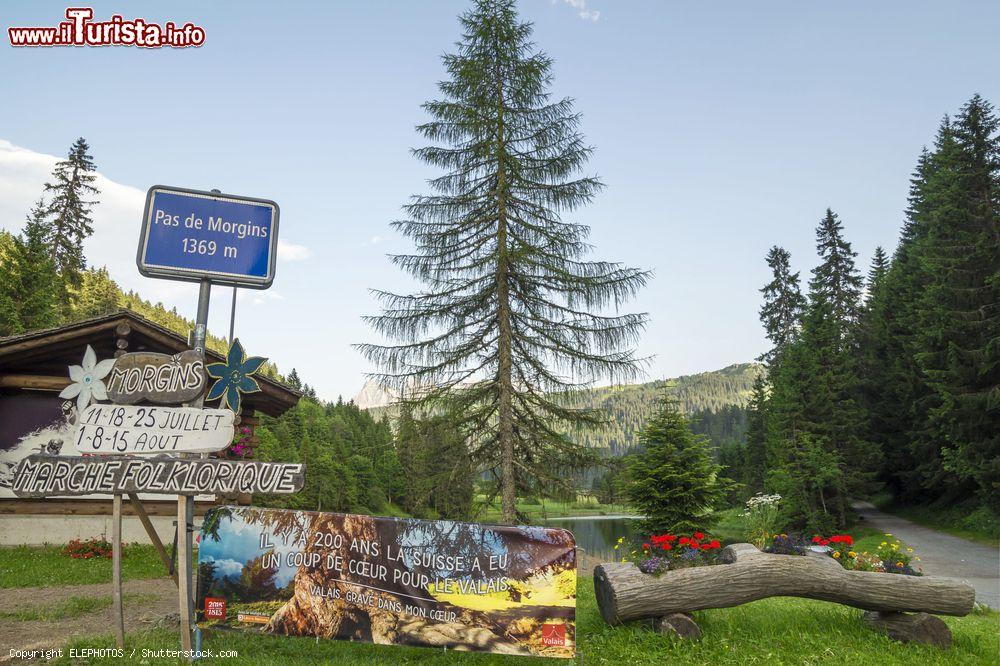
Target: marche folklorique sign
[163, 379]
[489, 588]
[42, 475]
[135, 429]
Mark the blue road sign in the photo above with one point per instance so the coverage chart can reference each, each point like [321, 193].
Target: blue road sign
[193, 235]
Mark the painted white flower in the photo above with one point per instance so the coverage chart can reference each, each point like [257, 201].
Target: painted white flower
[87, 378]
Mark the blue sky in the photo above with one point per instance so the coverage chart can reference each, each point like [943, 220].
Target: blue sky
[720, 128]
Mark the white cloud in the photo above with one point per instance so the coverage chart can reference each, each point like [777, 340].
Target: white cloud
[292, 252]
[583, 11]
[226, 567]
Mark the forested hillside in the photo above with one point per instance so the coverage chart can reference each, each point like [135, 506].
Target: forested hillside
[714, 400]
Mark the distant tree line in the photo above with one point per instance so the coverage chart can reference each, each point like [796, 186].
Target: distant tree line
[889, 382]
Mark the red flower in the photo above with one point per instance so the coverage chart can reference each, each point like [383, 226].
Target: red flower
[692, 543]
[816, 539]
[684, 540]
[666, 546]
[706, 546]
[824, 542]
[699, 535]
[715, 544]
[669, 537]
[645, 546]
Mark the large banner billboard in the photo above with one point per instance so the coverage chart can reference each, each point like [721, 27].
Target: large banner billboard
[466, 586]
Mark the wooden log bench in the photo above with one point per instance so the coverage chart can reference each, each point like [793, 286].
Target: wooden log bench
[903, 607]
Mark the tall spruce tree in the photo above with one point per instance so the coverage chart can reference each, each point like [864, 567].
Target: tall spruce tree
[836, 284]
[69, 212]
[512, 309]
[959, 334]
[898, 395]
[814, 408]
[781, 313]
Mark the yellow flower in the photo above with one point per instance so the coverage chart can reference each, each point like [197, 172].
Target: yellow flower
[899, 564]
[909, 550]
[852, 554]
[883, 544]
[887, 534]
[616, 545]
[836, 555]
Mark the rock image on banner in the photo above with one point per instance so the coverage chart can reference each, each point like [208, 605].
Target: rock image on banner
[392, 581]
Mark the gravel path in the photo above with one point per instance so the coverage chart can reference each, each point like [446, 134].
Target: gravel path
[942, 554]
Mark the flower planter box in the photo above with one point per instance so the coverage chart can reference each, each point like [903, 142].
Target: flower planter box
[624, 593]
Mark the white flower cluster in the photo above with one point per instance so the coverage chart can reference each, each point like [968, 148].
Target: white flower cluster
[760, 501]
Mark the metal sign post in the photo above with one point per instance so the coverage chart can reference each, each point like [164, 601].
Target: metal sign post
[185, 503]
[205, 237]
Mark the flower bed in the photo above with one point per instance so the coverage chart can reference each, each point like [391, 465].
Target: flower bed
[890, 556]
[87, 549]
[669, 552]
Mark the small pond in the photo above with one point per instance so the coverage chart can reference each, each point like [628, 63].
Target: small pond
[597, 535]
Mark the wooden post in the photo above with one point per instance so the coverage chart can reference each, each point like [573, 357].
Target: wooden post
[140, 511]
[184, 570]
[117, 612]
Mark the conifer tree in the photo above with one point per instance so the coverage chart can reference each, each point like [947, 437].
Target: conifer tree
[673, 480]
[10, 318]
[512, 309]
[781, 313]
[899, 398]
[836, 284]
[69, 212]
[29, 285]
[959, 334]
[755, 452]
[877, 271]
[97, 294]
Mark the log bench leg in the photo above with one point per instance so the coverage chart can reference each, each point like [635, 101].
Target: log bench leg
[910, 627]
[681, 625]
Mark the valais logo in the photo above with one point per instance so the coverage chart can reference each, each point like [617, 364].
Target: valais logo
[553, 634]
[215, 609]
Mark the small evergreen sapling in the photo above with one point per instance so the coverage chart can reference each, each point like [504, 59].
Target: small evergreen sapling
[674, 480]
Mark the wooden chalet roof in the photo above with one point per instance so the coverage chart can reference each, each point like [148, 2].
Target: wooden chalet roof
[46, 354]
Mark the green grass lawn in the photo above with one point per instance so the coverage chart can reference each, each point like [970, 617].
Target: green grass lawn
[72, 607]
[968, 522]
[773, 631]
[549, 508]
[45, 566]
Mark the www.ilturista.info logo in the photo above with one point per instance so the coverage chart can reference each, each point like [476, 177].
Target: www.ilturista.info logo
[81, 30]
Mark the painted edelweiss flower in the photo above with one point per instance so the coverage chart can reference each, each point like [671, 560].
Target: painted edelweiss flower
[233, 377]
[87, 380]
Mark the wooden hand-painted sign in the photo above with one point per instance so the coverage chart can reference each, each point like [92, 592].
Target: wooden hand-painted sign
[87, 380]
[135, 429]
[42, 475]
[159, 378]
[234, 377]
